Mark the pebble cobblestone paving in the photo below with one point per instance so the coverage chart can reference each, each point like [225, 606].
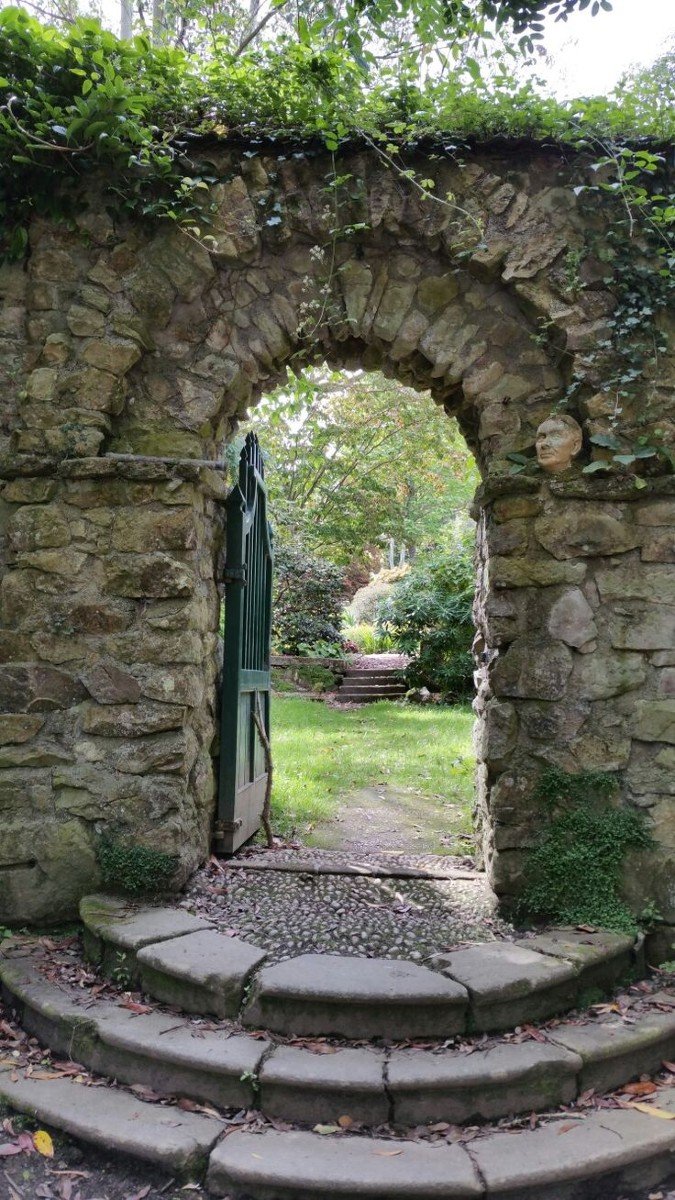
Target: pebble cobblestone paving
[290, 913]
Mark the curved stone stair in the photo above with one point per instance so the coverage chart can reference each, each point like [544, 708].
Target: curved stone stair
[181, 960]
[393, 1087]
[363, 686]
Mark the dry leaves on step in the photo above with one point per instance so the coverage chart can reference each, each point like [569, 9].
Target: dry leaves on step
[650, 1109]
[642, 1088]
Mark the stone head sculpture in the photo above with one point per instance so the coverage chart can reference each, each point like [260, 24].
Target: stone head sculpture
[559, 440]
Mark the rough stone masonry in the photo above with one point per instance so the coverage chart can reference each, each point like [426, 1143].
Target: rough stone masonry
[120, 338]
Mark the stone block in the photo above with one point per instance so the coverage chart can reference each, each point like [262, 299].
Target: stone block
[355, 998]
[201, 972]
[485, 1085]
[115, 930]
[116, 355]
[630, 581]
[19, 727]
[603, 958]
[139, 531]
[576, 532]
[152, 575]
[298, 1164]
[571, 619]
[131, 720]
[109, 683]
[508, 985]
[297, 1085]
[117, 1121]
[655, 721]
[532, 670]
[36, 527]
[210, 1067]
[37, 689]
[604, 674]
[533, 572]
[636, 626]
[660, 547]
[613, 1052]
[606, 1154]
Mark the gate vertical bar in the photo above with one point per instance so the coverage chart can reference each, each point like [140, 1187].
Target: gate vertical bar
[246, 665]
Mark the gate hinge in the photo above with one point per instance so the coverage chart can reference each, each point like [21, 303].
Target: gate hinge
[234, 575]
[222, 827]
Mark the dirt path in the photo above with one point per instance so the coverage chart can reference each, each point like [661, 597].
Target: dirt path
[388, 818]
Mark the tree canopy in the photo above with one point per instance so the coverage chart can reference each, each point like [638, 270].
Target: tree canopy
[356, 460]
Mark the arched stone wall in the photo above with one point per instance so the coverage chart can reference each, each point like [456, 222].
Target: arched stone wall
[141, 341]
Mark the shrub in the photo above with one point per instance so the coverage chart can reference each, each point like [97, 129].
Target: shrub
[364, 606]
[428, 616]
[309, 594]
[369, 640]
[137, 870]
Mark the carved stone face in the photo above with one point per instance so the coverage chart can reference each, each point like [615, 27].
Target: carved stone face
[559, 440]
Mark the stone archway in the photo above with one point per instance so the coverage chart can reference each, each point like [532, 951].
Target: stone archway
[134, 341]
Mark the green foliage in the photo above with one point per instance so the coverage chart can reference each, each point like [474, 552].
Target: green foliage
[573, 877]
[428, 616]
[307, 603]
[368, 639]
[354, 460]
[135, 870]
[79, 101]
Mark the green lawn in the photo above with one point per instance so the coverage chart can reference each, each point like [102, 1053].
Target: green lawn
[323, 755]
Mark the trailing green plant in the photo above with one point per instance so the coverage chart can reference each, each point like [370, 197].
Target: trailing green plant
[133, 869]
[78, 101]
[574, 875]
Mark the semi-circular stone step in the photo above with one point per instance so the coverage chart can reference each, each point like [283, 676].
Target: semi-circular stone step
[405, 1086]
[589, 1159]
[488, 986]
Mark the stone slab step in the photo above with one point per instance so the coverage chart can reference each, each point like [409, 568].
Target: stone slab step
[355, 997]
[374, 676]
[589, 1159]
[115, 1120]
[200, 972]
[485, 987]
[366, 697]
[407, 1086]
[114, 931]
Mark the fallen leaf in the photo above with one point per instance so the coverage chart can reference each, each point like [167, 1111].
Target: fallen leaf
[345, 1122]
[142, 1194]
[566, 1128]
[8, 1149]
[43, 1143]
[669, 1066]
[387, 1153]
[650, 1110]
[326, 1129]
[134, 1007]
[642, 1088]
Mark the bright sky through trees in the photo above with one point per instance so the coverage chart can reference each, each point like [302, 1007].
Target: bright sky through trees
[588, 54]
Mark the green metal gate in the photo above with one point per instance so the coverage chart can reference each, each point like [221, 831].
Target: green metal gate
[246, 666]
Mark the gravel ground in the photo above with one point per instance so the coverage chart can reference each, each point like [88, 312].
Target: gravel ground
[290, 913]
